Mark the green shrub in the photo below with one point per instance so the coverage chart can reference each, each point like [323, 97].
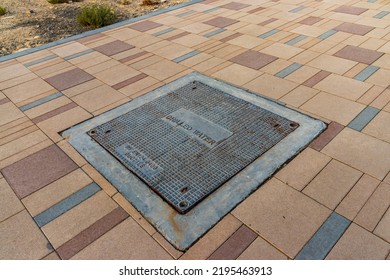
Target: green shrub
[96, 15]
[3, 10]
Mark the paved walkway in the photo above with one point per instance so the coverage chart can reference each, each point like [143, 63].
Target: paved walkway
[327, 58]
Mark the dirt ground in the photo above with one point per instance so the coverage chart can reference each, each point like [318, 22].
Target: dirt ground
[30, 23]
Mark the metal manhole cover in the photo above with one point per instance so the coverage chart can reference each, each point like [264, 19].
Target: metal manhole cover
[189, 142]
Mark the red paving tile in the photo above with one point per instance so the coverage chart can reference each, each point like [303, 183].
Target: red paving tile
[129, 81]
[113, 48]
[69, 79]
[38, 170]
[353, 28]
[310, 20]
[311, 82]
[350, 10]
[256, 10]
[267, 21]
[131, 57]
[221, 22]
[325, 137]
[145, 25]
[55, 112]
[3, 101]
[234, 6]
[235, 245]
[87, 236]
[231, 37]
[177, 36]
[253, 59]
[358, 54]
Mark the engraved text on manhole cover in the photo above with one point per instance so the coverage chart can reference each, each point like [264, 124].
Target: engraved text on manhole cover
[187, 143]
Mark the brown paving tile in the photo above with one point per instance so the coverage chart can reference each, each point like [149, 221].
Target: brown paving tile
[177, 36]
[55, 112]
[134, 56]
[255, 10]
[310, 20]
[359, 244]
[234, 6]
[235, 245]
[51, 257]
[325, 137]
[358, 54]
[129, 81]
[90, 234]
[69, 79]
[267, 21]
[383, 228]
[119, 244]
[21, 239]
[261, 250]
[253, 59]
[113, 48]
[4, 100]
[353, 28]
[9, 203]
[282, 215]
[350, 10]
[221, 22]
[332, 184]
[91, 38]
[37, 170]
[145, 25]
[302, 169]
[372, 212]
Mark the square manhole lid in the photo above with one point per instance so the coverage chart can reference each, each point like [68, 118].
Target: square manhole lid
[187, 143]
[196, 140]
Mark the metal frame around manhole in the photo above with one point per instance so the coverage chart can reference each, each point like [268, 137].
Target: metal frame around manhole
[183, 230]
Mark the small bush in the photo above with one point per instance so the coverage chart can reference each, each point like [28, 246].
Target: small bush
[150, 2]
[125, 2]
[3, 10]
[96, 15]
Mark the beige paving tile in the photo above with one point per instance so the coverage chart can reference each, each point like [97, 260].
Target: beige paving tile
[78, 218]
[332, 184]
[359, 244]
[382, 100]
[51, 257]
[247, 41]
[27, 90]
[99, 179]
[371, 95]
[236, 74]
[116, 74]
[163, 69]
[62, 121]
[53, 193]
[72, 153]
[202, 249]
[302, 74]
[360, 151]
[196, 27]
[69, 49]
[47, 107]
[380, 77]
[344, 87]
[379, 127]
[332, 64]
[17, 80]
[142, 84]
[271, 86]
[302, 169]
[372, 212]
[299, 96]
[312, 31]
[283, 216]
[383, 228]
[383, 61]
[90, 60]
[172, 51]
[12, 71]
[15, 244]
[208, 64]
[8, 113]
[261, 250]
[191, 40]
[333, 108]
[275, 66]
[120, 244]
[73, 91]
[100, 67]
[9, 203]
[98, 98]
[305, 56]
[282, 50]
[357, 197]
[167, 246]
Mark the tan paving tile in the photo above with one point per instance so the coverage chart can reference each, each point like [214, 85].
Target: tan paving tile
[333, 108]
[116, 74]
[51, 257]
[360, 151]
[379, 127]
[119, 243]
[17, 80]
[380, 77]
[271, 86]
[69, 49]
[8, 113]
[383, 228]
[167, 246]
[299, 96]
[372, 212]
[172, 51]
[359, 244]
[78, 218]
[383, 61]
[247, 41]
[12, 71]
[357, 197]
[100, 180]
[9, 203]
[382, 100]
[332, 64]
[236, 74]
[343, 87]
[73, 91]
[302, 169]
[274, 66]
[332, 184]
[163, 69]
[371, 95]
[302, 74]
[90, 60]
[53, 193]
[27, 90]
[191, 40]
[261, 250]
[282, 50]
[202, 249]
[15, 244]
[288, 218]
